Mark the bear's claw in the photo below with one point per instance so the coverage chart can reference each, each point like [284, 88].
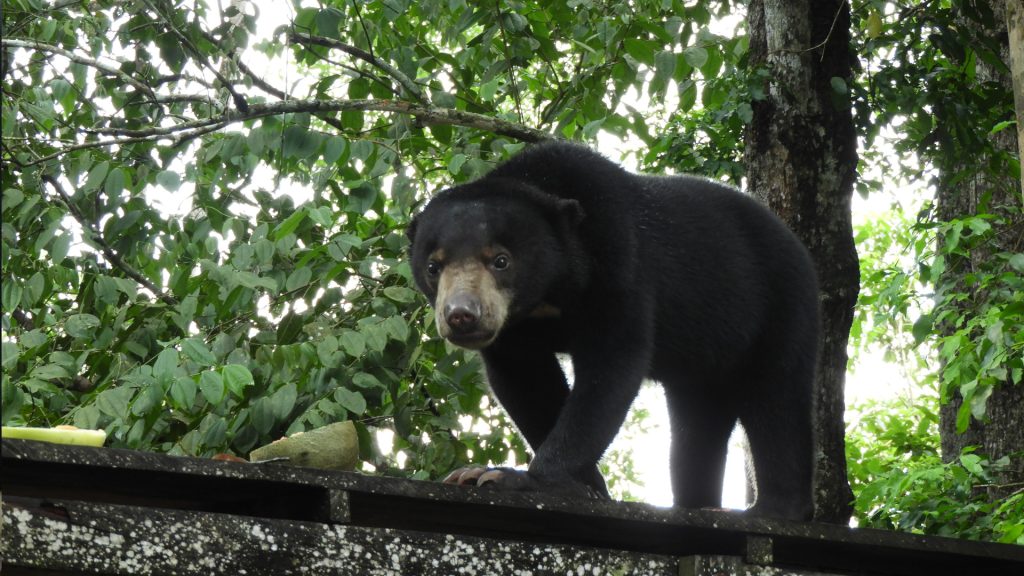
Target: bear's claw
[512, 480]
[466, 476]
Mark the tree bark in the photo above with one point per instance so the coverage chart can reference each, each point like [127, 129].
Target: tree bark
[1015, 44]
[801, 155]
[993, 192]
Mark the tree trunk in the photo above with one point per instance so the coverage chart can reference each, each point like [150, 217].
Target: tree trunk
[1015, 44]
[992, 191]
[801, 155]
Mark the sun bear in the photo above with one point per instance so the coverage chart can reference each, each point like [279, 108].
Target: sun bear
[678, 279]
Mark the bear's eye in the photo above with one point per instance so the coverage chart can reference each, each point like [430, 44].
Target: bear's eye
[433, 268]
[501, 262]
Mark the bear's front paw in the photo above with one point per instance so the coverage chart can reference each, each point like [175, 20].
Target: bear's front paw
[466, 476]
[521, 481]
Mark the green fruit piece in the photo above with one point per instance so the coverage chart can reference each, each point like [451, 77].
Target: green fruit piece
[332, 447]
[59, 435]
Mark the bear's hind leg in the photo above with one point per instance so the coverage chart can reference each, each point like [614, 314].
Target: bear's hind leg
[777, 420]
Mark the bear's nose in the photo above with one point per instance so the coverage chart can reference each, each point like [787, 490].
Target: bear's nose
[462, 312]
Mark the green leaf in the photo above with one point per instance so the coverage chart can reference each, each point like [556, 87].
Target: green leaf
[376, 336]
[290, 224]
[298, 278]
[115, 183]
[745, 112]
[211, 384]
[352, 342]
[978, 226]
[695, 56]
[284, 400]
[489, 89]
[299, 142]
[169, 179]
[396, 327]
[664, 64]
[96, 176]
[114, 402]
[922, 329]
[365, 380]
[11, 198]
[9, 354]
[963, 417]
[838, 85]
[50, 372]
[12, 399]
[334, 148]
[237, 378]
[455, 164]
[1000, 126]
[642, 50]
[400, 294]
[213, 430]
[183, 393]
[81, 325]
[59, 248]
[166, 364]
[33, 290]
[979, 402]
[33, 339]
[972, 462]
[11, 292]
[262, 415]
[1017, 262]
[328, 21]
[351, 400]
[197, 351]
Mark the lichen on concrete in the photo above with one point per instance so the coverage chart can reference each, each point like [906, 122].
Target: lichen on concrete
[128, 540]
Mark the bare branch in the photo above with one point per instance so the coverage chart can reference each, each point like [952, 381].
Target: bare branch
[411, 87]
[260, 82]
[426, 114]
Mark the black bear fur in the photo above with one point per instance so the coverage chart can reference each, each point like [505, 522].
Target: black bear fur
[678, 279]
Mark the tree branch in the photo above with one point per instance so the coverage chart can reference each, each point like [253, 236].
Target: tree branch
[411, 87]
[508, 60]
[40, 46]
[239, 100]
[113, 257]
[183, 135]
[277, 92]
[426, 114]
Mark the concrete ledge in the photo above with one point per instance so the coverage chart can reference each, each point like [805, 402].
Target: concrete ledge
[98, 510]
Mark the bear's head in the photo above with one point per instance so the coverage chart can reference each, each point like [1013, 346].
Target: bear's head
[491, 252]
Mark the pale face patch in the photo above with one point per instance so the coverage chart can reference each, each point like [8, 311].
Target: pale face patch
[471, 280]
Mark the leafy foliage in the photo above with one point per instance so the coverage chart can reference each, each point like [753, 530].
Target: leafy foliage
[942, 291]
[203, 220]
[924, 78]
[902, 483]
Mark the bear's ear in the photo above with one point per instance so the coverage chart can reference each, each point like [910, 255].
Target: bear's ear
[571, 212]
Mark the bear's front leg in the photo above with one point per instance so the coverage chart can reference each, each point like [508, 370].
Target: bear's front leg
[610, 360]
[528, 382]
